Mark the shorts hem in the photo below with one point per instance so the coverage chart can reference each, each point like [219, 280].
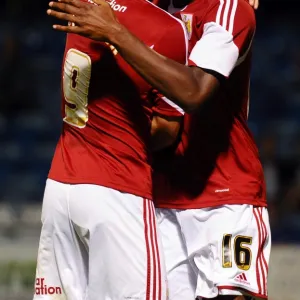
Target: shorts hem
[244, 291]
[106, 184]
[210, 204]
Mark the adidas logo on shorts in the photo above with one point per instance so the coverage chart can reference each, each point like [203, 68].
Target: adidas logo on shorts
[241, 278]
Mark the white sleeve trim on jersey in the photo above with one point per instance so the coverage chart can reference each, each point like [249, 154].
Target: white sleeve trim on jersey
[172, 104]
[186, 38]
[215, 50]
[186, 35]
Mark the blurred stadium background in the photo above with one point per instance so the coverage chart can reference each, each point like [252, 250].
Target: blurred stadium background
[31, 54]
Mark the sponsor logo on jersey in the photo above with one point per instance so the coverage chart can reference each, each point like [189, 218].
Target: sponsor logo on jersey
[117, 7]
[188, 22]
[114, 5]
[42, 289]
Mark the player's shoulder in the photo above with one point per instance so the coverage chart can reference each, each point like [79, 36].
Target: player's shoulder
[245, 12]
[155, 14]
[202, 8]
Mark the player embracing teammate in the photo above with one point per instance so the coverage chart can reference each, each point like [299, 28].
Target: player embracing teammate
[209, 187]
[99, 235]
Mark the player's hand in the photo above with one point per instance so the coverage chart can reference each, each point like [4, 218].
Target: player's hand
[97, 22]
[254, 3]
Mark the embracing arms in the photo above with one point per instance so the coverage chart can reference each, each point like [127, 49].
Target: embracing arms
[187, 86]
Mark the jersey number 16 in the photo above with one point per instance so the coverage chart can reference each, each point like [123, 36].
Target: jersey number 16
[241, 253]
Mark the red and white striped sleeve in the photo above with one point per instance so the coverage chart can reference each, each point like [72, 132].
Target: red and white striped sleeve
[228, 31]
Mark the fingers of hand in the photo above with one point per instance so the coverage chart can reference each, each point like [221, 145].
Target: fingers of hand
[68, 29]
[64, 7]
[61, 16]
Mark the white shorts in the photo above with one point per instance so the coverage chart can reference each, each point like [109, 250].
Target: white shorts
[216, 251]
[98, 244]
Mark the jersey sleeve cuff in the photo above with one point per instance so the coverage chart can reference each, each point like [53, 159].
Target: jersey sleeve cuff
[215, 51]
[166, 107]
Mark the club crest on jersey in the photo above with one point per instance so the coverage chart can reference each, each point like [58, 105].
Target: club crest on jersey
[188, 20]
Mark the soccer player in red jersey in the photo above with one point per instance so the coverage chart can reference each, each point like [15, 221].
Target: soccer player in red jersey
[210, 190]
[99, 236]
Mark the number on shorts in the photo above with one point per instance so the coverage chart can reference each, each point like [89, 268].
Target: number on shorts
[76, 82]
[242, 254]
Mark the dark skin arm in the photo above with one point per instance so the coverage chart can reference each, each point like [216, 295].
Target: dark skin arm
[188, 87]
[164, 131]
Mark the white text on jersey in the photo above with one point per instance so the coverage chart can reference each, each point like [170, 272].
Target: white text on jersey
[114, 5]
[117, 7]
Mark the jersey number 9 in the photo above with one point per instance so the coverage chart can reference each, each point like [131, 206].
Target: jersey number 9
[76, 82]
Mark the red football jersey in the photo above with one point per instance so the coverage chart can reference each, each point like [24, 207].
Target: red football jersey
[107, 118]
[216, 161]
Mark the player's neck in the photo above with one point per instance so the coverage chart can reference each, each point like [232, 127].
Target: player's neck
[174, 6]
[177, 5]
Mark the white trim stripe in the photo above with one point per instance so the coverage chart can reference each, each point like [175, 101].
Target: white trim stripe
[263, 273]
[262, 266]
[227, 11]
[219, 12]
[258, 273]
[186, 39]
[172, 104]
[226, 14]
[158, 286]
[154, 282]
[264, 262]
[148, 246]
[152, 253]
[231, 22]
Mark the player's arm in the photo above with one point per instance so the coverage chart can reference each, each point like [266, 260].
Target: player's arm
[225, 41]
[167, 116]
[164, 131]
[227, 35]
[166, 122]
